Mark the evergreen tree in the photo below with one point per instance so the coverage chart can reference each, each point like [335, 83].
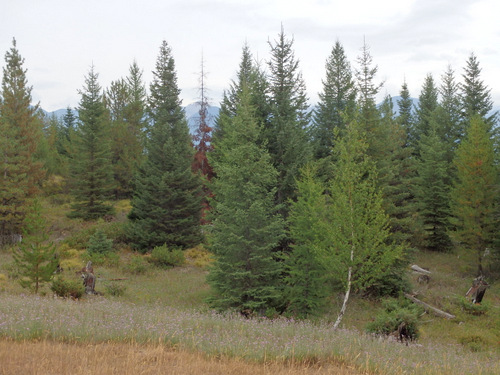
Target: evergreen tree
[35, 258]
[245, 227]
[367, 93]
[432, 191]
[253, 78]
[405, 117]
[166, 205]
[427, 104]
[447, 115]
[286, 134]
[475, 95]
[91, 159]
[475, 191]
[21, 131]
[125, 100]
[307, 276]
[396, 173]
[361, 253]
[337, 101]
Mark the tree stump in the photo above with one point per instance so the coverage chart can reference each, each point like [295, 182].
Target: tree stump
[477, 290]
[88, 278]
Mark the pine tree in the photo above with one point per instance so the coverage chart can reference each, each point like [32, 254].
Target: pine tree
[405, 117]
[286, 134]
[447, 115]
[361, 253]
[253, 78]
[427, 104]
[245, 227]
[337, 101]
[35, 258]
[166, 205]
[125, 100]
[306, 274]
[432, 191]
[475, 191]
[475, 95]
[367, 93]
[21, 131]
[91, 158]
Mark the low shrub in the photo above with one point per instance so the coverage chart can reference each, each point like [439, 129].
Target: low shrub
[67, 288]
[474, 343]
[397, 315]
[99, 243]
[163, 257]
[473, 308]
[136, 266]
[198, 256]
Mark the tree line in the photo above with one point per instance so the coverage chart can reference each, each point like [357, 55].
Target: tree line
[295, 205]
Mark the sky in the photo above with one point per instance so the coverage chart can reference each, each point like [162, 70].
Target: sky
[408, 39]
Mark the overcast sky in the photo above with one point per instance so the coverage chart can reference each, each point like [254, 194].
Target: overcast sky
[408, 39]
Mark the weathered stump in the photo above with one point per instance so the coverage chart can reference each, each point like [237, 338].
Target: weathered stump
[477, 290]
[88, 278]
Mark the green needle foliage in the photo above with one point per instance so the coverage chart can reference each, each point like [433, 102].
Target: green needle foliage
[307, 275]
[475, 190]
[35, 258]
[166, 207]
[245, 226]
[91, 169]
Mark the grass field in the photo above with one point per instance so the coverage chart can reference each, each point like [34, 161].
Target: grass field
[160, 321]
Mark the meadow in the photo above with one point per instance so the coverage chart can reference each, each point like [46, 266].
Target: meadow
[159, 323]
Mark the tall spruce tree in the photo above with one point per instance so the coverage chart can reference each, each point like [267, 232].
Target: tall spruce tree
[427, 104]
[286, 133]
[432, 191]
[368, 90]
[474, 193]
[475, 95]
[166, 206]
[21, 130]
[406, 117]
[306, 272]
[91, 170]
[337, 101]
[125, 99]
[447, 115]
[245, 225]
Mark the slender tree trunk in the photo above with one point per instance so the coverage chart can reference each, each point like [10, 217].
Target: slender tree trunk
[346, 298]
[349, 273]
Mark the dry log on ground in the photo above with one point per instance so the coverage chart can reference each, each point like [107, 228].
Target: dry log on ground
[428, 307]
[420, 270]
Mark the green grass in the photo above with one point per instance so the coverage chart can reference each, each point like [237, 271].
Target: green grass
[182, 291]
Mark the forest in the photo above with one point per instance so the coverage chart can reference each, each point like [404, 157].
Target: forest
[294, 206]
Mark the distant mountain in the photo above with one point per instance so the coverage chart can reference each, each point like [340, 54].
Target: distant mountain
[191, 111]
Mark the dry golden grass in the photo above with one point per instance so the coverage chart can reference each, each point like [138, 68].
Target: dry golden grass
[56, 358]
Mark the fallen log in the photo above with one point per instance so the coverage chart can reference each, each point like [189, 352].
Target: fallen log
[420, 270]
[428, 307]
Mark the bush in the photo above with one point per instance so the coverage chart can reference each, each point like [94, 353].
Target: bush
[163, 257]
[473, 309]
[198, 256]
[473, 342]
[114, 230]
[397, 313]
[67, 288]
[136, 266]
[99, 244]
